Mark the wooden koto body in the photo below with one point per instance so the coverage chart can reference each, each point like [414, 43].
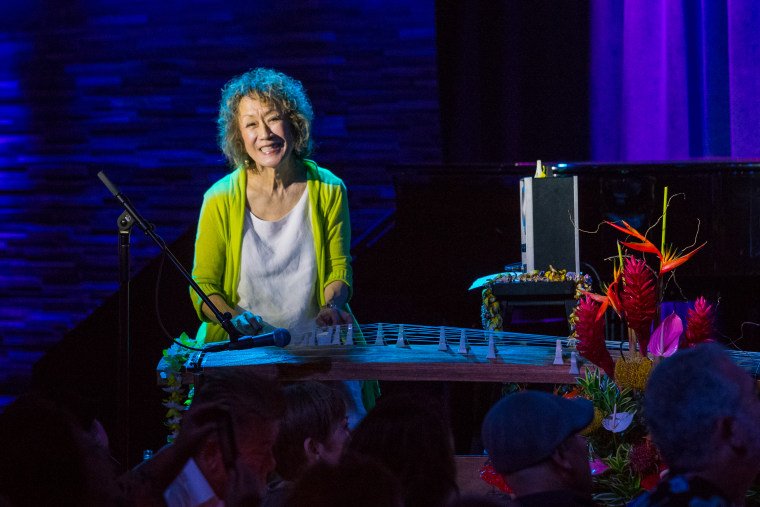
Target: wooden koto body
[479, 356]
[412, 352]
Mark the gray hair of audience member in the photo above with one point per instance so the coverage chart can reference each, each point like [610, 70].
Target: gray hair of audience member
[312, 411]
[271, 87]
[245, 395]
[685, 396]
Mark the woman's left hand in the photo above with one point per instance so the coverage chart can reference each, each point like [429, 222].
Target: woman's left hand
[330, 315]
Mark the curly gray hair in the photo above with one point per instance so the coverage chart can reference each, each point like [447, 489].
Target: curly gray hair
[273, 88]
[685, 396]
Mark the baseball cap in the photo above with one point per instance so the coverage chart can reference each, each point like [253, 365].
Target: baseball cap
[524, 428]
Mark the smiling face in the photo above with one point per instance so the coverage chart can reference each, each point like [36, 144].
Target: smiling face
[266, 133]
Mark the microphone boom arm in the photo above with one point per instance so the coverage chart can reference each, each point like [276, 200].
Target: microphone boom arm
[225, 320]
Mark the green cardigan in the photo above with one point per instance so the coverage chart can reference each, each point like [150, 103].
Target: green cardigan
[218, 243]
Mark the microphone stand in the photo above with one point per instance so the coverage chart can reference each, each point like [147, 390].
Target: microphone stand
[129, 218]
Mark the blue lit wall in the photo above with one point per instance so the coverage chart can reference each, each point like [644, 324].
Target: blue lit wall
[131, 88]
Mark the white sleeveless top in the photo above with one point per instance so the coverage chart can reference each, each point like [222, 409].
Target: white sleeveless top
[278, 270]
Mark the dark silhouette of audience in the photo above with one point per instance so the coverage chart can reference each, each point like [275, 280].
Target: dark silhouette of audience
[237, 458]
[411, 436]
[701, 408]
[356, 480]
[54, 452]
[703, 414]
[314, 429]
[532, 440]
[46, 457]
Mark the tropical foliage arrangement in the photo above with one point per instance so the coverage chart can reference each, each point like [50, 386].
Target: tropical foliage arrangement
[624, 462]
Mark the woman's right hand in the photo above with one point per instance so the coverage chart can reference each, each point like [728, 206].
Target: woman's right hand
[248, 323]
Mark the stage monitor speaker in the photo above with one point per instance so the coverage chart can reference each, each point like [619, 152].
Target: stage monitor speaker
[549, 214]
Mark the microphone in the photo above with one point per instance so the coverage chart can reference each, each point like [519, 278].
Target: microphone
[280, 337]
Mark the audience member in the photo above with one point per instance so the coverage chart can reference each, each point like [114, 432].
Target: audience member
[144, 485]
[237, 459]
[46, 457]
[410, 435]
[703, 411]
[314, 429]
[532, 440]
[355, 481]
[84, 408]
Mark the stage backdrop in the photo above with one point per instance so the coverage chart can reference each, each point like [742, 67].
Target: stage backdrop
[131, 88]
[675, 80]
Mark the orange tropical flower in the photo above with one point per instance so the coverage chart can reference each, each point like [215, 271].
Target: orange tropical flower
[644, 246]
[610, 297]
[669, 260]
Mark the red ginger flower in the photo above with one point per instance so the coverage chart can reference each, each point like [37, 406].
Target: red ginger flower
[590, 331]
[638, 301]
[700, 322]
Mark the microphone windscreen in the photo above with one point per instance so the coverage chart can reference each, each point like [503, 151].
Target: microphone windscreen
[281, 337]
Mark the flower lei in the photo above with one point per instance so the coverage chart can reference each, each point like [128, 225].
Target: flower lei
[179, 396]
[490, 310]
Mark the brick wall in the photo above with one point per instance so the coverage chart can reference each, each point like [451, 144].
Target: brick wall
[131, 88]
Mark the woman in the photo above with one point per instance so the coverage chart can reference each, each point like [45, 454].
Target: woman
[274, 235]
[272, 247]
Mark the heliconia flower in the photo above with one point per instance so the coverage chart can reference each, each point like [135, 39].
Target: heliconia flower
[700, 322]
[669, 260]
[590, 331]
[638, 300]
[610, 297]
[644, 246]
[665, 338]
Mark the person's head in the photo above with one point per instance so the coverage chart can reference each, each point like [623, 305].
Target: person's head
[46, 457]
[314, 428]
[411, 436]
[266, 92]
[84, 408]
[255, 406]
[532, 440]
[355, 480]
[702, 411]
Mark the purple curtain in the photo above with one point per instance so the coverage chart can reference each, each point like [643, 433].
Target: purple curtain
[674, 80]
